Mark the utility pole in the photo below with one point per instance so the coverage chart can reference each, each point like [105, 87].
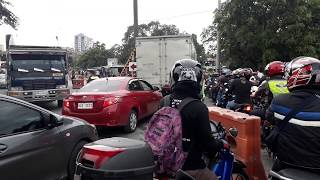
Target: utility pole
[218, 42]
[135, 16]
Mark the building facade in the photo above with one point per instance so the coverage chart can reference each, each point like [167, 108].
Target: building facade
[82, 43]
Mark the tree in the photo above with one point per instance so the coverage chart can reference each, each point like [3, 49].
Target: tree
[201, 54]
[6, 16]
[96, 56]
[255, 32]
[154, 28]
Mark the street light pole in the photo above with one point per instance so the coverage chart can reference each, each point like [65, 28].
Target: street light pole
[218, 42]
[135, 16]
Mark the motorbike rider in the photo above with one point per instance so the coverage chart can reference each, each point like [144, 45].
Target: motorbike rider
[298, 142]
[275, 84]
[223, 81]
[240, 88]
[185, 79]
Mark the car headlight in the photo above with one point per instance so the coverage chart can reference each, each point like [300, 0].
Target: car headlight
[18, 88]
[61, 86]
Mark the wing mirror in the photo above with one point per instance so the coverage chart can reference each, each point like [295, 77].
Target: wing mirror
[233, 132]
[52, 121]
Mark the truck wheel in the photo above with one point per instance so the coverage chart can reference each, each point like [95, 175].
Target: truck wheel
[73, 157]
[132, 122]
[60, 103]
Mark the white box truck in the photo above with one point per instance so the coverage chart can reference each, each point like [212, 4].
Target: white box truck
[156, 55]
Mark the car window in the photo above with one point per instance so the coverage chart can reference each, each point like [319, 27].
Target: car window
[146, 86]
[15, 118]
[102, 86]
[135, 86]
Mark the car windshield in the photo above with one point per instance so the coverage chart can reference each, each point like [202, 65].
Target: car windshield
[102, 86]
[43, 63]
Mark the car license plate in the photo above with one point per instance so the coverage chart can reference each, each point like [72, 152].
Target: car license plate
[85, 105]
[41, 93]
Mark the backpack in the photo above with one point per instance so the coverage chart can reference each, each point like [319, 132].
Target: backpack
[164, 136]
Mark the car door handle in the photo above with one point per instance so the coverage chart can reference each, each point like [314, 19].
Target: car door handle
[3, 147]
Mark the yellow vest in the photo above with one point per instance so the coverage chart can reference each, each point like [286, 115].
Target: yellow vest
[278, 87]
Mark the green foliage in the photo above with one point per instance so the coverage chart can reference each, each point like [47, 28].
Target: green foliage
[201, 54]
[154, 28]
[6, 16]
[96, 56]
[255, 32]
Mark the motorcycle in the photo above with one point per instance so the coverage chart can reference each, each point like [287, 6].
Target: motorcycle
[224, 164]
[122, 158]
[225, 96]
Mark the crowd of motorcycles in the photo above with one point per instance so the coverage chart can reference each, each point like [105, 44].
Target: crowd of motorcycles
[220, 95]
[213, 88]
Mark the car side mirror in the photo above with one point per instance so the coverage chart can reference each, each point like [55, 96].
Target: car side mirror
[52, 121]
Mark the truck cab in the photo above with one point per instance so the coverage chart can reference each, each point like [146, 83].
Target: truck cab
[37, 73]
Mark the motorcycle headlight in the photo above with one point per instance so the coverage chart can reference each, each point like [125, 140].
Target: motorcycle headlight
[18, 88]
[61, 86]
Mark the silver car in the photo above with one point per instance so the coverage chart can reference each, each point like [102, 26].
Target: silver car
[38, 144]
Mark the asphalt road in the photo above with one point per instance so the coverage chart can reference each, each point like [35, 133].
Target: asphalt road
[138, 134]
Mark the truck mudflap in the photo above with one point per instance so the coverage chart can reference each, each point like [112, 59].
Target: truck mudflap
[40, 95]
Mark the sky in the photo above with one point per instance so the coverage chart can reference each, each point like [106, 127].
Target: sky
[40, 21]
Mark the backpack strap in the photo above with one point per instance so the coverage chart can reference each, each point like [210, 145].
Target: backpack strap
[185, 102]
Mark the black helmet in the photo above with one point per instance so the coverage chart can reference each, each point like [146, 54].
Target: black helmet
[186, 71]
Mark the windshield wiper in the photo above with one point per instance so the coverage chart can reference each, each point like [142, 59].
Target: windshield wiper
[23, 70]
[55, 70]
[38, 70]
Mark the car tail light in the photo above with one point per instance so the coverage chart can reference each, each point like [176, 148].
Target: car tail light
[98, 154]
[66, 103]
[109, 101]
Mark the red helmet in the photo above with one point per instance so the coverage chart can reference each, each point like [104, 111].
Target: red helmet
[275, 68]
[303, 72]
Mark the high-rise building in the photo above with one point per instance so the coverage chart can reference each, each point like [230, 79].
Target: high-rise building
[82, 43]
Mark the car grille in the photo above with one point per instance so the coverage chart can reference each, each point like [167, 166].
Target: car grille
[38, 85]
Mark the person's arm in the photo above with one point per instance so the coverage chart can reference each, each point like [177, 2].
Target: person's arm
[261, 89]
[203, 133]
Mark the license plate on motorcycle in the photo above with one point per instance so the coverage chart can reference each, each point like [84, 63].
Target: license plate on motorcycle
[85, 105]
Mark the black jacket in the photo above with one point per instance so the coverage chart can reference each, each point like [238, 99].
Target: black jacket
[241, 88]
[298, 143]
[196, 131]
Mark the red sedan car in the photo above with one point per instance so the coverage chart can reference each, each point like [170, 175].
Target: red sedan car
[113, 101]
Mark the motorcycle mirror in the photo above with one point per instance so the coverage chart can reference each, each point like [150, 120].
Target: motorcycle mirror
[233, 132]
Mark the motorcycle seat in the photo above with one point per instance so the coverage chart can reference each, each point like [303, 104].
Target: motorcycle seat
[299, 174]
